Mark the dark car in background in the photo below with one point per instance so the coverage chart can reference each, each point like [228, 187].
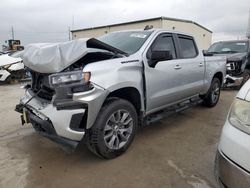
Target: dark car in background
[238, 60]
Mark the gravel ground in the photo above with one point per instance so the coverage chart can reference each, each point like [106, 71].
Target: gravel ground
[177, 152]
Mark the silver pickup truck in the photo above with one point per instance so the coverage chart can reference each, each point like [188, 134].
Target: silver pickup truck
[100, 91]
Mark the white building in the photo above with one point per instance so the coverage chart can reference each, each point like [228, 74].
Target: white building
[202, 35]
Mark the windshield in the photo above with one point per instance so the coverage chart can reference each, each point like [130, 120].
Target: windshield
[129, 41]
[229, 47]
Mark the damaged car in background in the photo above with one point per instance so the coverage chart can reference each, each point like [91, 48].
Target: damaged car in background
[11, 68]
[238, 60]
[99, 91]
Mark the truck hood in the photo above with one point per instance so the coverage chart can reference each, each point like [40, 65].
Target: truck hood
[55, 57]
[233, 57]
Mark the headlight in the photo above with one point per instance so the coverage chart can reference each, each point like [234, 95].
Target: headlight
[240, 115]
[230, 66]
[69, 77]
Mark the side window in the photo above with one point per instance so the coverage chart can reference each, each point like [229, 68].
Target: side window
[187, 47]
[165, 43]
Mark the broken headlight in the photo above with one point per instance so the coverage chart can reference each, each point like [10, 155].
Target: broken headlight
[69, 78]
[230, 66]
[240, 115]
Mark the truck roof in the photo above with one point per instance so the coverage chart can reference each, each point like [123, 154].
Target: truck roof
[154, 30]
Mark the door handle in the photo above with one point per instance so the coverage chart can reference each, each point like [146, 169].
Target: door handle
[200, 64]
[177, 67]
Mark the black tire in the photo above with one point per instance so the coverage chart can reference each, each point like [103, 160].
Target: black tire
[213, 94]
[105, 127]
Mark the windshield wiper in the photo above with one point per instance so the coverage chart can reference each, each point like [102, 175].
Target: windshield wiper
[229, 52]
[214, 52]
[224, 52]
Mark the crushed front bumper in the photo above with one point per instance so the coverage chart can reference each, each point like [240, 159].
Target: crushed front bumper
[64, 122]
[229, 174]
[59, 118]
[233, 81]
[46, 128]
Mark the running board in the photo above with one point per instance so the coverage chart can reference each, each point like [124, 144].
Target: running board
[152, 118]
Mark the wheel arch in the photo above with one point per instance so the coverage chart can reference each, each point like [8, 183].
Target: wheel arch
[218, 75]
[130, 94]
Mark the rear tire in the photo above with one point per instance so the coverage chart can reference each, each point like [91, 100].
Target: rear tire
[114, 129]
[213, 94]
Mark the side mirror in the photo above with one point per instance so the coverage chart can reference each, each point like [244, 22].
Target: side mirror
[157, 56]
[206, 53]
[161, 55]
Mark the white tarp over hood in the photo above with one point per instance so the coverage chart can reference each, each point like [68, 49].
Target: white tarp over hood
[54, 57]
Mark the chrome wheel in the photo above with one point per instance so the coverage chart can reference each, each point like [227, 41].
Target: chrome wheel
[118, 129]
[215, 93]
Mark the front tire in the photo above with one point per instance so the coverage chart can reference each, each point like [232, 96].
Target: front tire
[114, 129]
[213, 94]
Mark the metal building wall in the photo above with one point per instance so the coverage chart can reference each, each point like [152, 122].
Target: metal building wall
[202, 36]
[95, 32]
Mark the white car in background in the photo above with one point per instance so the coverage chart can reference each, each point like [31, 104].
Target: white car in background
[11, 68]
[232, 164]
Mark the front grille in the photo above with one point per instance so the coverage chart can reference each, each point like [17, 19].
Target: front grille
[40, 86]
[46, 93]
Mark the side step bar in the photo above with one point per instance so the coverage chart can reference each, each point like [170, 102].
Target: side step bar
[152, 118]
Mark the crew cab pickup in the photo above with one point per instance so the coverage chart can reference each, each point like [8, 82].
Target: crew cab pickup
[100, 90]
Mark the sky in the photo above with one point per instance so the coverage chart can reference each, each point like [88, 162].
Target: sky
[49, 20]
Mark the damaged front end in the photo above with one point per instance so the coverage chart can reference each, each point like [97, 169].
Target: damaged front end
[237, 72]
[238, 60]
[61, 113]
[11, 68]
[61, 103]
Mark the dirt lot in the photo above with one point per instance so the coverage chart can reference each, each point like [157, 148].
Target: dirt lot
[177, 152]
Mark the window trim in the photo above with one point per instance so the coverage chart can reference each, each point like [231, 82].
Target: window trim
[178, 36]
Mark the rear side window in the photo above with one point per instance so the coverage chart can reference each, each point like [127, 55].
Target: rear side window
[187, 47]
[165, 43]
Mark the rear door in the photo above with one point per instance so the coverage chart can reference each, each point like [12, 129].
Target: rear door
[192, 65]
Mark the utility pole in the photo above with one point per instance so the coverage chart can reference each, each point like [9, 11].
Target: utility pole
[248, 28]
[73, 21]
[12, 32]
[69, 34]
